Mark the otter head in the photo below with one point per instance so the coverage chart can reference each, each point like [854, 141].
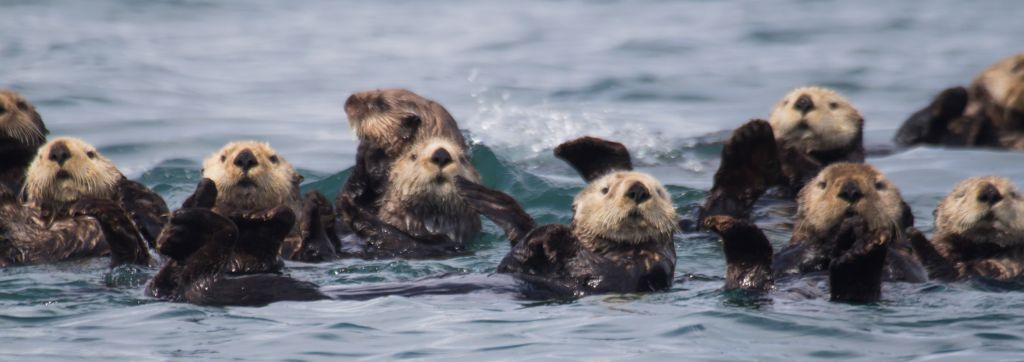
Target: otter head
[251, 176]
[847, 189]
[428, 170]
[1003, 84]
[396, 118]
[624, 207]
[982, 209]
[19, 120]
[815, 119]
[66, 170]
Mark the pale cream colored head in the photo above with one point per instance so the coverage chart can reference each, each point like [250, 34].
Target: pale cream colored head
[982, 209]
[66, 170]
[815, 119]
[19, 119]
[624, 207]
[845, 189]
[427, 172]
[251, 176]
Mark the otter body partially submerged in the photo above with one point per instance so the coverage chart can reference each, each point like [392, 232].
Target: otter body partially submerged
[979, 232]
[620, 239]
[988, 113]
[79, 205]
[22, 132]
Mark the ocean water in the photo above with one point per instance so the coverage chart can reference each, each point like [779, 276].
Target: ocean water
[159, 85]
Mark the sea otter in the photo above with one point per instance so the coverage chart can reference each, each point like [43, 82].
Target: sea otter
[990, 113]
[252, 177]
[387, 122]
[421, 214]
[22, 132]
[813, 127]
[78, 204]
[849, 224]
[620, 238]
[979, 231]
[198, 244]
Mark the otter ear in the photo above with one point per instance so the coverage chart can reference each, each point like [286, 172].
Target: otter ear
[594, 157]
[407, 129]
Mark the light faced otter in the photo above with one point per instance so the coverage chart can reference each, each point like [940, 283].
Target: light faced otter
[78, 205]
[199, 243]
[979, 231]
[21, 133]
[250, 177]
[849, 223]
[811, 128]
[990, 113]
[387, 122]
[620, 238]
[421, 214]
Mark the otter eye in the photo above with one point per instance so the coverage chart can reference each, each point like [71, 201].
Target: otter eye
[880, 185]
[91, 154]
[2, 109]
[22, 105]
[412, 157]
[833, 105]
[822, 184]
[604, 191]
[223, 158]
[273, 159]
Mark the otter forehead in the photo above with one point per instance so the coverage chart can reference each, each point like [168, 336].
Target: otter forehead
[229, 156]
[19, 120]
[1004, 82]
[619, 178]
[361, 104]
[815, 118]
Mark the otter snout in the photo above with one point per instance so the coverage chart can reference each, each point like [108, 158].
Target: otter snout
[59, 153]
[246, 160]
[638, 193]
[989, 195]
[804, 104]
[851, 192]
[441, 158]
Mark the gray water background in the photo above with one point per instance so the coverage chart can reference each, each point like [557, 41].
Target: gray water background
[159, 85]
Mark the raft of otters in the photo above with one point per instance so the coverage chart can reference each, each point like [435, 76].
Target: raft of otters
[414, 193]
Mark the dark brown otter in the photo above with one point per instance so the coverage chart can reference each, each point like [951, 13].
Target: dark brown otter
[22, 132]
[620, 239]
[989, 113]
[979, 232]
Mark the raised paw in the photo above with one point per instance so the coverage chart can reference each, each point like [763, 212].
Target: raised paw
[719, 224]
[204, 196]
[749, 166]
[930, 124]
[188, 229]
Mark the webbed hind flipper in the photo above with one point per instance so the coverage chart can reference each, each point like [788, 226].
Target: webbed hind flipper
[594, 157]
[855, 275]
[497, 206]
[750, 165]
[146, 208]
[931, 124]
[748, 253]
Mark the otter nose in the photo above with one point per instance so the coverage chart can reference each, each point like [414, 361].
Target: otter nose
[59, 153]
[850, 192]
[246, 160]
[804, 104]
[441, 157]
[990, 195]
[638, 192]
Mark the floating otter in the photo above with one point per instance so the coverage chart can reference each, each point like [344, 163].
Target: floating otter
[387, 122]
[198, 243]
[620, 238]
[78, 204]
[21, 133]
[979, 231]
[849, 224]
[421, 214]
[251, 178]
[990, 113]
[812, 128]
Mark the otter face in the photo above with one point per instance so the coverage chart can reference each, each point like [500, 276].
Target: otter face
[815, 119]
[250, 176]
[984, 208]
[379, 115]
[67, 170]
[429, 168]
[624, 207]
[19, 119]
[846, 189]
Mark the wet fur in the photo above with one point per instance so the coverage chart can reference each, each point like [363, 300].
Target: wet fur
[22, 132]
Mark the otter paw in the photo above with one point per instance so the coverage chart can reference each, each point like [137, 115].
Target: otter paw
[204, 196]
[97, 208]
[719, 223]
